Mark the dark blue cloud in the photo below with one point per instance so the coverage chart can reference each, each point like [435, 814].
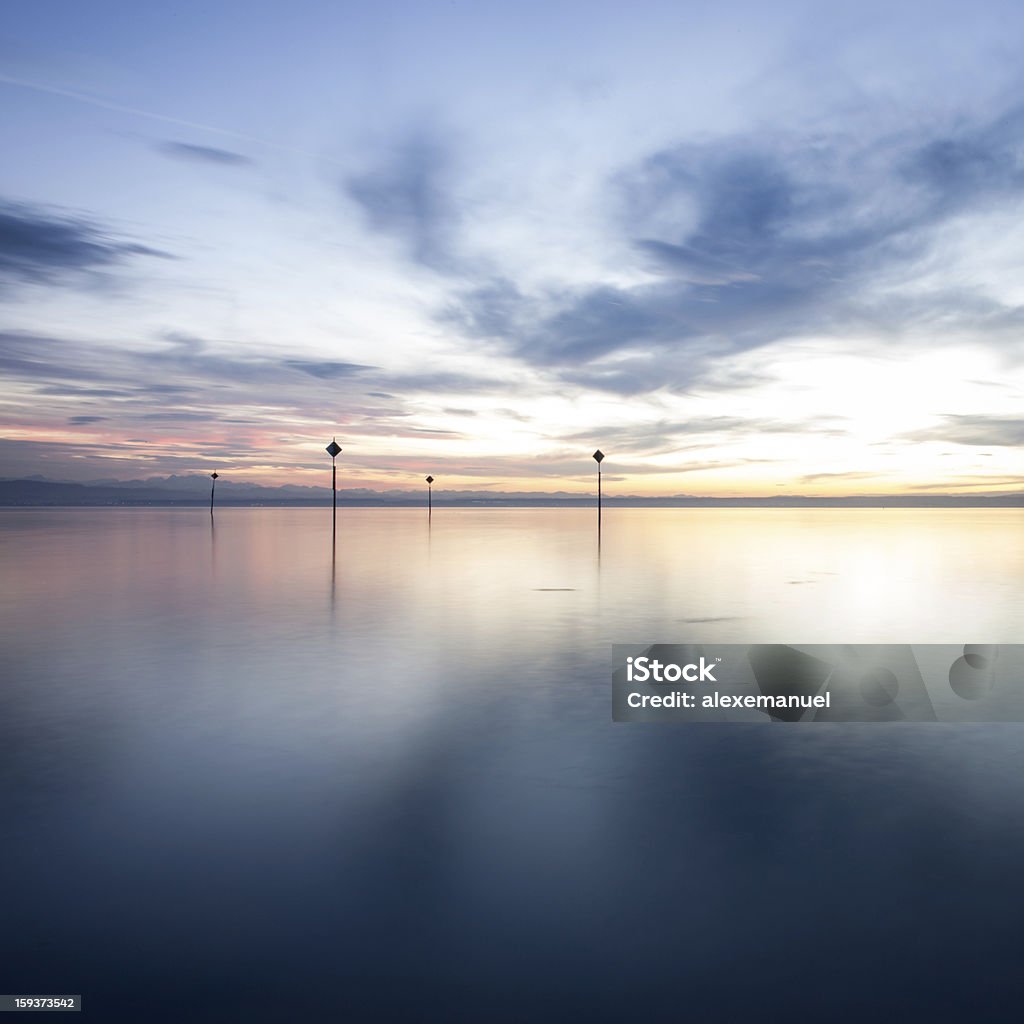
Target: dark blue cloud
[756, 239]
[975, 163]
[407, 196]
[326, 369]
[204, 154]
[44, 247]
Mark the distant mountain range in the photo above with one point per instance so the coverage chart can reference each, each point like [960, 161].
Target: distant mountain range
[195, 490]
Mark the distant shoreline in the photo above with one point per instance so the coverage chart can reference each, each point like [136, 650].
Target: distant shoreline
[717, 503]
[142, 494]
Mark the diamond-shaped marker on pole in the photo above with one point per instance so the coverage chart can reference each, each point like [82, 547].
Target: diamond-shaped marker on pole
[334, 449]
[430, 479]
[214, 476]
[599, 456]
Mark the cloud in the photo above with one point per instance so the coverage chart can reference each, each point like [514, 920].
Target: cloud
[43, 247]
[443, 381]
[970, 163]
[71, 391]
[739, 242]
[66, 459]
[188, 380]
[204, 154]
[406, 196]
[663, 436]
[808, 478]
[325, 369]
[178, 416]
[45, 360]
[980, 430]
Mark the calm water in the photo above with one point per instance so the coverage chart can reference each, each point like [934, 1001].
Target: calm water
[242, 781]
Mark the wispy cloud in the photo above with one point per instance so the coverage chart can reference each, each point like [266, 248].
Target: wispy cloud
[662, 436]
[189, 377]
[976, 429]
[406, 194]
[44, 246]
[326, 369]
[204, 154]
[185, 381]
[809, 478]
[749, 240]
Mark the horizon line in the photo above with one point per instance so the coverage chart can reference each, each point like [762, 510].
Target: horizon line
[33, 492]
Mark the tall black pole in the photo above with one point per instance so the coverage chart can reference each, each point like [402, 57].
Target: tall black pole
[430, 501]
[599, 458]
[213, 487]
[334, 450]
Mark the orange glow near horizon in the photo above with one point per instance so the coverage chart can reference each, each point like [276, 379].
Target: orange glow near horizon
[825, 424]
[930, 469]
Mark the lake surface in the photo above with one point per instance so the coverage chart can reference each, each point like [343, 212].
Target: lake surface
[244, 780]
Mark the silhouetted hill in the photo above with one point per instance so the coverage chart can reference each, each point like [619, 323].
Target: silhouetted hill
[187, 491]
[46, 492]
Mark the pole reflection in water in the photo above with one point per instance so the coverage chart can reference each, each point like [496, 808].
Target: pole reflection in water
[213, 545]
[334, 567]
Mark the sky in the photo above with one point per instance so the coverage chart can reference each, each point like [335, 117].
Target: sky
[743, 248]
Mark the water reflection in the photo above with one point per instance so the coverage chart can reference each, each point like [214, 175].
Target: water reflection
[213, 545]
[216, 780]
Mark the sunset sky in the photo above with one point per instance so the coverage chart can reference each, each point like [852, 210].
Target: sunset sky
[744, 248]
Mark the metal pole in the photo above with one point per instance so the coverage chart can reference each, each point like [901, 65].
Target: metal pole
[599, 495]
[213, 487]
[334, 450]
